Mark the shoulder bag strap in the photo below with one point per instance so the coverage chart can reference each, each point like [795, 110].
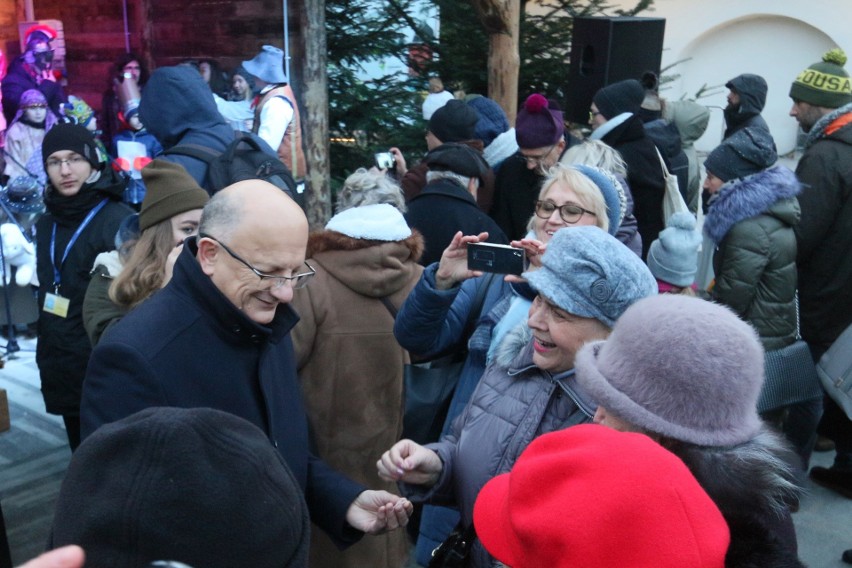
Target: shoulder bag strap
[391, 308]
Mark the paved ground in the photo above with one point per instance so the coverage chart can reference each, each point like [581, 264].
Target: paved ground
[824, 522]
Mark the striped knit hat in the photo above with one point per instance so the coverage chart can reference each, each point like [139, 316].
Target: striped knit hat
[825, 83]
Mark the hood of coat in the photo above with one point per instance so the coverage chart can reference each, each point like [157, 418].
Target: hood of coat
[512, 351]
[368, 267]
[690, 117]
[175, 101]
[770, 191]
[752, 91]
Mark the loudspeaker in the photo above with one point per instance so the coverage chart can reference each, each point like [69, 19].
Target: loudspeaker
[608, 50]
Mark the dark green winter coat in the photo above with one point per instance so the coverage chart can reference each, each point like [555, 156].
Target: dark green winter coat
[751, 221]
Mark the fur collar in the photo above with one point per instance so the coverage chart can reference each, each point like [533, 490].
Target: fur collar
[322, 241]
[512, 345]
[818, 129]
[748, 197]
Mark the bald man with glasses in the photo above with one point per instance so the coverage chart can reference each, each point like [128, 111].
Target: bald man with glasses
[218, 336]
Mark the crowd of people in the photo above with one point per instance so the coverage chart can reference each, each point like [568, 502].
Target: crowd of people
[228, 376]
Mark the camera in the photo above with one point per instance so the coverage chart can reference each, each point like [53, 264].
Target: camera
[501, 259]
[384, 160]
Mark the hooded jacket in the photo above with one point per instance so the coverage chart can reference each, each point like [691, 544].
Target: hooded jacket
[177, 107]
[21, 77]
[513, 403]
[350, 366]
[825, 231]
[691, 119]
[63, 347]
[752, 91]
[751, 222]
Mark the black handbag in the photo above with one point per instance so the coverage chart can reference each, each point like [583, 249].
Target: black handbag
[791, 375]
[454, 552]
[429, 386]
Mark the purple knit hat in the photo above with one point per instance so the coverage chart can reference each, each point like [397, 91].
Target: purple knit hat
[695, 377]
[538, 125]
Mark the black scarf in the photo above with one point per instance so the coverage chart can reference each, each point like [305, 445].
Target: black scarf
[71, 211]
[30, 123]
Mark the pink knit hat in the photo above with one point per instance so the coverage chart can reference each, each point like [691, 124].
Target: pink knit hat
[594, 497]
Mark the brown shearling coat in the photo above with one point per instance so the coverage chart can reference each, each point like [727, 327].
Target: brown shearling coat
[350, 366]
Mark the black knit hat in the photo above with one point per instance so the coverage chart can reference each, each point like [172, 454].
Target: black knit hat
[169, 191]
[623, 96]
[457, 158]
[454, 122]
[197, 486]
[74, 137]
[747, 151]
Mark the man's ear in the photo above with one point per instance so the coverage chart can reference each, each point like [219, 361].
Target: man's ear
[207, 255]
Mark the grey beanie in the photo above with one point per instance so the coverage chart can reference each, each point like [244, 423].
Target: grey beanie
[673, 257]
[588, 273]
[746, 152]
[681, 367]
[193, 485]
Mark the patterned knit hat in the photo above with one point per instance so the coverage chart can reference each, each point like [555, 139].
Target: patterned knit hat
[825, 83]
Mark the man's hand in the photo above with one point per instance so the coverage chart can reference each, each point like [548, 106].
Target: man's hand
[410, 462]
[377, 512]
[66, 557]
[452, 268]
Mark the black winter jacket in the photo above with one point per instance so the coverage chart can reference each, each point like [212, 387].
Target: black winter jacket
[443, 208]
[825, 231]
[63, 347]
[644, 176]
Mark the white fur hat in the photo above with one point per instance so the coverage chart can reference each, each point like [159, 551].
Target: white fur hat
[380, 222]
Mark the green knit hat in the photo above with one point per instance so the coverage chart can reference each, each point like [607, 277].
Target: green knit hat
[826, 83]
[170, 191]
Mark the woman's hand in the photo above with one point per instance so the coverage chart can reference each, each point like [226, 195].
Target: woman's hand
[400, 167]
[409, 462]
[533, 249]
[452, 268]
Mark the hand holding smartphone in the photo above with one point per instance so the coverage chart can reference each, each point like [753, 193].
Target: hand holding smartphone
[501, 259]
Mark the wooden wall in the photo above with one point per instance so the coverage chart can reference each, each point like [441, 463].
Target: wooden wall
[162, 32]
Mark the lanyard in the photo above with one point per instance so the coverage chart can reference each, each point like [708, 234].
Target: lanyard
[57, 277]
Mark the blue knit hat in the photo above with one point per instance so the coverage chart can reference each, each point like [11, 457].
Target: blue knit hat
[673, 257]
[746, 152]
[613, 193]
[588, 273]
[492, 120]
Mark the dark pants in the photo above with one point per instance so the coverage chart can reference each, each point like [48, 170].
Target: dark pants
[72, 429]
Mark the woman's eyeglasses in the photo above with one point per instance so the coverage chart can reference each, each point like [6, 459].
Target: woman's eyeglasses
[569, 212]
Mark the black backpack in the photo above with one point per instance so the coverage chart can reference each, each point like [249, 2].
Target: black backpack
[243, 159]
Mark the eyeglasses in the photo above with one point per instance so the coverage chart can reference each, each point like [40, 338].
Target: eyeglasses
[296, 281]
[593, 114]
[537, 160]
[73, 162]
[569, 212]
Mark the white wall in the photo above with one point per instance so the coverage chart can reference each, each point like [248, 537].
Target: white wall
[773, 38]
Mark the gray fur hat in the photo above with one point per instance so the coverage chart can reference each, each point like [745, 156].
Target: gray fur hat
[681, 367]
[673, 257]
[588, 273]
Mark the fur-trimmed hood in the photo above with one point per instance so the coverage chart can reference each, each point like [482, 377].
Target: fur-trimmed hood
[766, 192]
[752, 484]
[371, 268]
[512, 345]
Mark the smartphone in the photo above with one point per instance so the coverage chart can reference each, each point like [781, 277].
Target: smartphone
[502, 259]
[384, 160]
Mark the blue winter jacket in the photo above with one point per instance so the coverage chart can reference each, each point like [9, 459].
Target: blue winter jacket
[177, 107]
[431, 322]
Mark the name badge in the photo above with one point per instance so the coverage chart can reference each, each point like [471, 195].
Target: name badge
[56, 305]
